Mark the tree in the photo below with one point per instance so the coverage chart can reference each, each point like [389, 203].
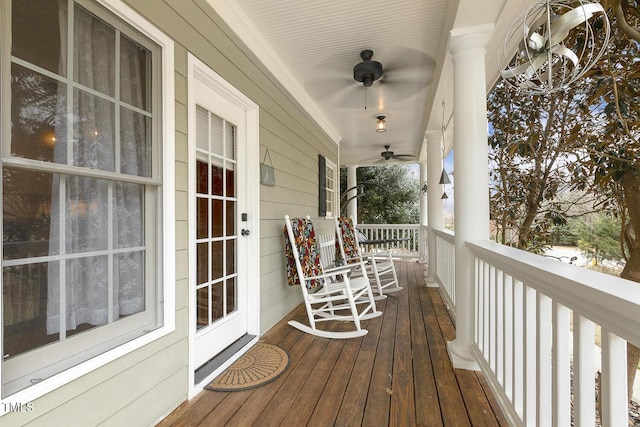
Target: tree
[603, 133]
[387, 194]
[529, 154]
[599, 237]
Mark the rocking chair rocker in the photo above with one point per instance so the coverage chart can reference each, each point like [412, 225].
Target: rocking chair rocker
[379, 264]
[329, 294]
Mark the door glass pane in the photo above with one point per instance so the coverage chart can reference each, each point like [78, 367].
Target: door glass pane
[217, 176]
[202, 178]
[202, 218]
[217, 135]
[231, 257]
[202, 307]
[231, 295]
[231, 218]
[202, 264]
[217, 257]
[217, 302]
[231, 180]
[216, 217]
[202, 128]
[230, 141]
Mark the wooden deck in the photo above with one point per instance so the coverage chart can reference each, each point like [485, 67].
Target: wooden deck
[398, 374]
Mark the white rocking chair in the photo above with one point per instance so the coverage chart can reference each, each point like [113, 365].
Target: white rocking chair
[379, 264]
[329, 294]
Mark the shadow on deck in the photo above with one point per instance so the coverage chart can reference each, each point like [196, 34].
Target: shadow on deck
[398, 374]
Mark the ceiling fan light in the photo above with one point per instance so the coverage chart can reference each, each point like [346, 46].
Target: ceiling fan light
[380, 124]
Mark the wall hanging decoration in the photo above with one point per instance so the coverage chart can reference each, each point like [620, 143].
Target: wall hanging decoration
[267, 174]
[557, 43]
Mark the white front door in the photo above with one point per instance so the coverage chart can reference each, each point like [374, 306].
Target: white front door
[223, 250]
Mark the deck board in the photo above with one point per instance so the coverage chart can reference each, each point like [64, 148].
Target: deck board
[399, 374]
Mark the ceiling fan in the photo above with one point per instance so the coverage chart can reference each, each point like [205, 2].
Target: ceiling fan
[399, 75]
[387, 155]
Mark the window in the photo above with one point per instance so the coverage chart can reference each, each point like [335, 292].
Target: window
[327, 178]
[83, 192]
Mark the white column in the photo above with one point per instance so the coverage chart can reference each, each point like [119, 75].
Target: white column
[471, 193]
[435, 205]
[424, 214]
[352, 200]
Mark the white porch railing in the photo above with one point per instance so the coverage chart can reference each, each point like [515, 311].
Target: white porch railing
[402, 240]
[535, 321]
[445, 264]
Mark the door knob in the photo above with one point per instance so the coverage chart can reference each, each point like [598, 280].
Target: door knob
[245, 232]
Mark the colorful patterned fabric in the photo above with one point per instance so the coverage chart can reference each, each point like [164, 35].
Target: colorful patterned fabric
[349, 239]
[308, 250]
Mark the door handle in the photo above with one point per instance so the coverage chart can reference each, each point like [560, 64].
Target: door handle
[245, 232]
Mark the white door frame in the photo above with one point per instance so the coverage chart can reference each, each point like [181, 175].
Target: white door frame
[197, 70]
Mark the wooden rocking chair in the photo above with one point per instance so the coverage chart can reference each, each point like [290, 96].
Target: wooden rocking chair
[379, 264]
[329, 294]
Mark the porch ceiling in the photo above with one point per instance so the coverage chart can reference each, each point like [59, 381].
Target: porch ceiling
[319, 43]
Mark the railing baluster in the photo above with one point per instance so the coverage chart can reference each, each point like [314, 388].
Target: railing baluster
[584, 395]
[543, 386]
[614, 372]
[561, 366]
[530, 356]
[508, 355]
[518, 348]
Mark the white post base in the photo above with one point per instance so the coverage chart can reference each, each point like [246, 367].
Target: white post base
[461, 362]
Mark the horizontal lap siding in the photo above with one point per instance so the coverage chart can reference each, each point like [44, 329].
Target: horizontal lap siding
[147, 384]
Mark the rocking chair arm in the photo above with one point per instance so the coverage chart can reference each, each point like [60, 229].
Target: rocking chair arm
[331, 273]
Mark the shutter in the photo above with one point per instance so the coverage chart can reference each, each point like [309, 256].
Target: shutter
[322, 186]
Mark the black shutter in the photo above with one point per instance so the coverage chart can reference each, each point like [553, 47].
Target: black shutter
[322, 186]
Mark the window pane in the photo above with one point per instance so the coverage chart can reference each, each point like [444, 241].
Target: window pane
[129, 284]
[26, 212]
[135, 143]
[135, 65]
[38, 106]
[93, 132]
[128, 215]
[86, 224]
[94, 52]
[36, 32]
[25, 308]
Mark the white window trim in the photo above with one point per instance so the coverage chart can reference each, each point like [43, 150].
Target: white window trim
[131, 17]
[329, 165]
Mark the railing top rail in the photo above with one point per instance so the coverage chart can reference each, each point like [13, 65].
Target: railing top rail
[444, 234]
[610, 301]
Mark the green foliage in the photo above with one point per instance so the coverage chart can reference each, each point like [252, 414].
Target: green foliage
[599, 237]
[389, 194]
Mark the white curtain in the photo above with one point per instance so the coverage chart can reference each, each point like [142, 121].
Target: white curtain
[90, 218]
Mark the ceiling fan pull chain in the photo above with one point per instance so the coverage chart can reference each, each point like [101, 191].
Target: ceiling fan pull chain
[365, 97]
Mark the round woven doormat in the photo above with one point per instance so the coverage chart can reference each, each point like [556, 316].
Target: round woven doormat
[260, 365]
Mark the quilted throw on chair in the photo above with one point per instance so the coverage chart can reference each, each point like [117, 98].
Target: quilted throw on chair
[348, 232]
[309, 252]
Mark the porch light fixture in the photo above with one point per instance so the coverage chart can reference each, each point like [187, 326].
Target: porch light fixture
[557, 43]
[380, 124]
